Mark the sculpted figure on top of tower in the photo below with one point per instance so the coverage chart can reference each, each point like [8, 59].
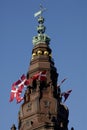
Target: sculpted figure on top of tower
[40, 38]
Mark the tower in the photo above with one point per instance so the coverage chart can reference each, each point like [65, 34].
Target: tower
[42, 108]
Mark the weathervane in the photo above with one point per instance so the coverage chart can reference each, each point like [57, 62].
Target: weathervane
[40, 11]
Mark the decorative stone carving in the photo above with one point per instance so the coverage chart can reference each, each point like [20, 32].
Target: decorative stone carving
[27, 95]
[40, 38]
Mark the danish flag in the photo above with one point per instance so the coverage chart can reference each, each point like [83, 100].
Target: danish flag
[66, 94]
[24, 80]
[40, 76]
[62, 82]
[15, 93]
[17, 88]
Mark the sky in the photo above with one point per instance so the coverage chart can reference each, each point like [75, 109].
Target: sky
[66, 25]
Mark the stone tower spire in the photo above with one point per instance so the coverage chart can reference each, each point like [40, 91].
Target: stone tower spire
[42, 108]
[42, 53]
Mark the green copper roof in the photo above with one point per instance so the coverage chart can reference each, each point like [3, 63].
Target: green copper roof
[41, 36]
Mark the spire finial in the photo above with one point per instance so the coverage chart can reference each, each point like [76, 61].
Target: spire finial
[39, 13]
[41, 37]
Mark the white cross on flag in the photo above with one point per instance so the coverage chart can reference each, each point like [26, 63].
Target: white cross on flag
[40, 76]
[18, 87]
[16, 93]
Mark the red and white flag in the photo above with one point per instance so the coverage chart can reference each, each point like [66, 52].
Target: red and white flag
[17, 88]
[61, 82]
[19, 98]
[24, 80]
[15, 93]
[66, 94]
[40, 76]
[17, 82]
